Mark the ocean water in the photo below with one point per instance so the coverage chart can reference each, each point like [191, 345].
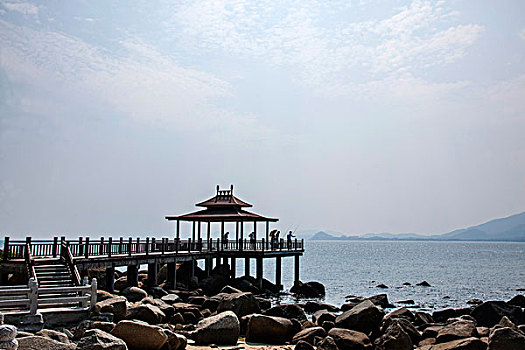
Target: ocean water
[456, 271]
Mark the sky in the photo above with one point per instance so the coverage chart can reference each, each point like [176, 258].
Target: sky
[355, 116]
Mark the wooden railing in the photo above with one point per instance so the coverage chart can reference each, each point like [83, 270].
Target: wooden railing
[67, 259]
[86, 248]
[26, 297]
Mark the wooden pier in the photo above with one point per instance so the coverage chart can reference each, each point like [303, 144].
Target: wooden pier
[62, 262]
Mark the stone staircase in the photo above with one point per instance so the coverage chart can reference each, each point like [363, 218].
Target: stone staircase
[53, 273]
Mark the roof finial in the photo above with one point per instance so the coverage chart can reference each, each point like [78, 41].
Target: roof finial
[231, 192]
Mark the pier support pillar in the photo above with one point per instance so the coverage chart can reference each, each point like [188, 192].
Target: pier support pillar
[278, 272]
[110, 279]
[193, 262]
[172, 275]
[259, 275]
[225, 261]
[132, 276]
[153, 270]
[233, 267]
[208, 266]
[217, 261]
[296, 275]
[247, 267]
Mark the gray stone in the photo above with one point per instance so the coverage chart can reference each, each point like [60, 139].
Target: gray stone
[394, 338]
[171, 299]
[221, 329]
[7, 332]
[490, 313]
[40, 343]
[117, 306]
[270, 329]
[456, 330]
[240, 303]
[55, 335]
[95, 339]
[147, 313]
[364, 317]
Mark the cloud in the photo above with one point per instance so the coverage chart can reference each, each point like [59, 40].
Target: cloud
[521, 34]
[24, 8]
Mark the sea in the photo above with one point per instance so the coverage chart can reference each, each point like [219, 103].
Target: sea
[456, 271]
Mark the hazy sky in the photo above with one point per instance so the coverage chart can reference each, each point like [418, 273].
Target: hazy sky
[354, 116]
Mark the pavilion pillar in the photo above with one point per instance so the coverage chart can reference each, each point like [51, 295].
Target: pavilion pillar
[242, 236]
[132, 276]
[199, 230]
[267, 233]
[209, 232]
[233, 267]
[153, 270]
[110, 279]
[237, 234]
[259, 273]
[296, 266]
[172, 275]
[255, 230]
[247, 267]
[193, 232]
[278, 272]
[222, 231]
[178, 230]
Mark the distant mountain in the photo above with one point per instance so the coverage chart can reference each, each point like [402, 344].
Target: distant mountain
[511, 228]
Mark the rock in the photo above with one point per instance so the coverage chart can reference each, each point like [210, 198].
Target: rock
[175, 341]
[364, 317]
[518, 300]
[289, 311]
[121, 283]
[401, 312]
[302, 345]
[382, 286]
[483, 331]
[308, 289]
[321, 316]
[147, 313]
[80, 330]
[156, 291]
[270, 329]
[140, 335]
[221, 329]
[313, 306]
[309, 334]
[406, 302]
[95, 339]
[405, 325]
[456, 330]
[166, 308]
[505, 322]
[490, 313]
[350, 340]
[506, 339]
[177, 318]
[431, 332]
[230, 289]
[441, 316]
[103, 295]
[9, 344]
[40, 343]
[327, 325]
[171, 299]
[117, 306]
[134, 294]
[407, 284]
[55, 335]
[421, 318]
[7, 332]
[423, 284]
[264, 304]
[461, 344]
[241, 304]
[394, 337]
[380, 300]
[328, 343]
[475, 301]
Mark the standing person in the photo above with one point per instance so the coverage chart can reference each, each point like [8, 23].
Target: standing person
[225, 240]
[289, 239]
[277, 239]
[252, 240]
[272, 239]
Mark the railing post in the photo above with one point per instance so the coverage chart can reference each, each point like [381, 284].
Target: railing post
[189, 245]
[110, 244]
[6, 248]
[262, 247]
[218, 244]
[28, 244]
[93, 294]
[153, 244]
[130, 244]
[120, 243]
[147, 245]
[80, 247]
[210, 245]
[33, 296]
[86, 251]
[55, 246]
[163, 246]
[101, 246]
[138, 245]
[295, 248]
[62, 242]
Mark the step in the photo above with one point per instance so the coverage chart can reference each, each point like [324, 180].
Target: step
[52, 285]
[55, 280]
[45, 274]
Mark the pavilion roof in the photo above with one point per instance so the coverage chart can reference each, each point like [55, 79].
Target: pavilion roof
[232, 214]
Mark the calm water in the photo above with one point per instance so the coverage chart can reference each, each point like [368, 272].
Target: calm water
[459, 270]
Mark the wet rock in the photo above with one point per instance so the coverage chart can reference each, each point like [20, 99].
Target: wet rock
[55, 335]
[270, 329]
[240, 303]
[406, 302]
[423, 284]
[407, 284]
[147, 313]
[327, 325]
[221, 329]
[490, 313]
[134, 294]
[140, 335]
[364, 317]
[518, 300]
[264, 304]
[328, 343]
[347, 339]
[380, 300]
[40, 343]
[289, 311]
[308, 290]
[383, 286]
[95, 339]
[117, 306]
[394, 337]
[313, 306]
[456, 330]
[309, 334]
[475, 301]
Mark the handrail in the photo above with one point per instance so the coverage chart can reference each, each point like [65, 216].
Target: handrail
[29, 263]
[67, 258]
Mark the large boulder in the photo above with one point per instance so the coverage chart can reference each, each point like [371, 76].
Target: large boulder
[166, 308]
[518, 300]
[347, 339]
[308, 335]
[506, 339]
[171, 299]
[457, 330]
[95, 339]
[221, 329]
[80, 330]
[117, 306]
[364, 317]
[240, 303]
[328, 343]
[147, 313]
[140, 335]
[401, 313]
[134, 294]
[40, 343]
[269, 329]
[323, 315]
[175, 341]
[490, 313]
[289, 311]
[394, 338]
[309, 289]
[55, 335]
[406, 325]
[381, 300]
[460, 344]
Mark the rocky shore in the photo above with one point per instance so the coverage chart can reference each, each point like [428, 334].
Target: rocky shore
[234, 314]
